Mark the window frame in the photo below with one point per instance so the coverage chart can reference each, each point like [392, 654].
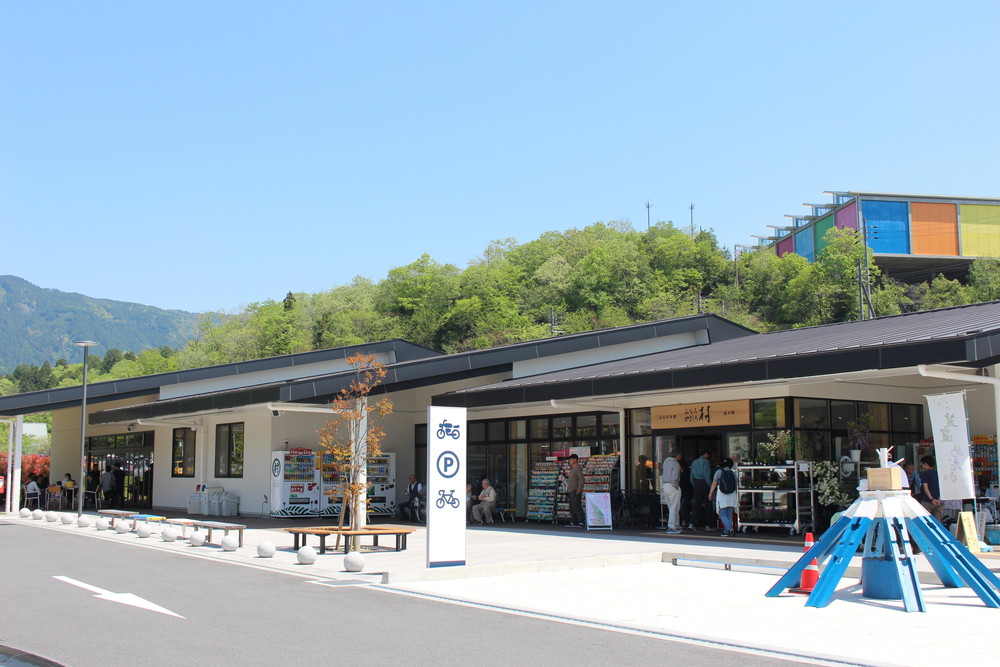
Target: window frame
[189, 459]
[224, 438]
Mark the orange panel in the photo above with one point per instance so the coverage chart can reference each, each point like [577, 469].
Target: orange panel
[933, 229]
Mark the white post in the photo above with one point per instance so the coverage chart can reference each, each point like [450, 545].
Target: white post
[17, 429]
[10, 463]
[360, 508]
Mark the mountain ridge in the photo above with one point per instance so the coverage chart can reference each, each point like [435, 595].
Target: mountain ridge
[39, 324]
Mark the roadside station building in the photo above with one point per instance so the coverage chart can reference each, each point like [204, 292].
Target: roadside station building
[694, 383]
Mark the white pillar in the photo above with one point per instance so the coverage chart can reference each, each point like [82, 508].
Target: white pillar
[17, 430]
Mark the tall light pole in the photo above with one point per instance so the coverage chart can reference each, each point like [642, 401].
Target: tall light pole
[81, 485]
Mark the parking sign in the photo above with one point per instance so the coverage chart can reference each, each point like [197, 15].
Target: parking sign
[446, 479]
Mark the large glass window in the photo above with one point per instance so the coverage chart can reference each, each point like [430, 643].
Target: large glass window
[229, 450]
[769, 413]
[879, 415]
[182, 458]
[812, 413]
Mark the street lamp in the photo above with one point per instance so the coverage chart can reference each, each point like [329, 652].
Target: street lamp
[81, 485]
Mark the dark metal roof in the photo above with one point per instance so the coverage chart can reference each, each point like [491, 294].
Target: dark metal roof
[113, 390]
[967, 335]
[429, 371]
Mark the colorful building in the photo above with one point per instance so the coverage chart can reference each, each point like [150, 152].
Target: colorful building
[911, 236]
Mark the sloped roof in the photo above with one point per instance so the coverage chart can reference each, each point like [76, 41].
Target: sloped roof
[968, 335]
[426, 371]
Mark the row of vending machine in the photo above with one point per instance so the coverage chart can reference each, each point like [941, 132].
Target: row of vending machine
[305, 483]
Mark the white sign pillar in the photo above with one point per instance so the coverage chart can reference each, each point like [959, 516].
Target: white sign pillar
[446, 480]
[14, 490]
[950, 426]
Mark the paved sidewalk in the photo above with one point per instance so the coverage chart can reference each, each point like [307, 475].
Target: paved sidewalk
[620, 581]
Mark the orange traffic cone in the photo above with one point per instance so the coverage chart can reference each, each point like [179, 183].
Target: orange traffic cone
[811, 574]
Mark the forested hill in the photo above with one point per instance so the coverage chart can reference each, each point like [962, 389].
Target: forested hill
[39, 325]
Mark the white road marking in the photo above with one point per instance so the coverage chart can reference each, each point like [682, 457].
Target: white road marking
[122, 598]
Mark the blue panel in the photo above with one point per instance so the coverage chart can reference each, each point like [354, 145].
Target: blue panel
[804, 244]
[888, 224]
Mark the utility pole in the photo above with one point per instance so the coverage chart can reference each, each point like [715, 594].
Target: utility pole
[647, 215]
[691, 209]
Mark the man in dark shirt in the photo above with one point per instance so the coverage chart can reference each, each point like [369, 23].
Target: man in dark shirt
[119, 485]
[931, 497]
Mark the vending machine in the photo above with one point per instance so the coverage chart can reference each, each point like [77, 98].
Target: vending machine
[381, 485]
[295, 489]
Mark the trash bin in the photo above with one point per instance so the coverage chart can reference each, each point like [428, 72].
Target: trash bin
[230, 504]
[206, 499]
[215, 504]
[195, 502]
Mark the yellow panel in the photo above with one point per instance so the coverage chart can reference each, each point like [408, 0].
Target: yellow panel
[933, 229]
[979, 226]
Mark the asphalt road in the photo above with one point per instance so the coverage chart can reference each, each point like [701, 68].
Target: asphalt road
[234, 615]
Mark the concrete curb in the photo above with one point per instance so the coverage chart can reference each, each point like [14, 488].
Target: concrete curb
[526, 567]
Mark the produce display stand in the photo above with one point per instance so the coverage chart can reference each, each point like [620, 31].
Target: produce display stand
[775, 496]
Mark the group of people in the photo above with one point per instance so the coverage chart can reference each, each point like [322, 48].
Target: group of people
[698, 496]
[478, 506]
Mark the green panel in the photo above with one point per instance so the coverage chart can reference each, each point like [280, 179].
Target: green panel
[820, 228]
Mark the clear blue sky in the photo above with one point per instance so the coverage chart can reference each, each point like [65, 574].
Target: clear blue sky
[205, 155]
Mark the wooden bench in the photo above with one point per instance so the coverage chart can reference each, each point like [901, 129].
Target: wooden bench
[183, 523]
[116, 514]
[219, 525]
[300, 534]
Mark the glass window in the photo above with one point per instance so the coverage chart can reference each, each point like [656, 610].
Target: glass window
[812, 413]
[420, 434]
[609, 426]
[477, 432]
[644, 471]
[586, 426]
[562, 427]
[843, 413]
[540, 429]
[879, 413]
[229, 450]
[182, 460]
[518, 429]
[769, 413]
[907, 418]
[540, 451]
[497, 431]
[640, 422]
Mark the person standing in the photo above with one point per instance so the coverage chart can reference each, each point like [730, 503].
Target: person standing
[574, 492]
[724, 490]
[670, 488]
[701, 480]
[119, 484]
[931, 496]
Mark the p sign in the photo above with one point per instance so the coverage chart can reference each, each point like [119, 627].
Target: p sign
[446, 475]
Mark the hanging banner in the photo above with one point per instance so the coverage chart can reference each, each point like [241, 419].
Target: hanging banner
[446, 479]
[950, 428]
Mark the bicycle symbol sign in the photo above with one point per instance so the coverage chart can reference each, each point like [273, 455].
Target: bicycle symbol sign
[447, 497]
[447, 464]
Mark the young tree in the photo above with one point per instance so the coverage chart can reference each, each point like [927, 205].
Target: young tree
[353, 437]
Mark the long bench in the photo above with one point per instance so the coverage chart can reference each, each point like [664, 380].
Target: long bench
[219, 525]
[300, 535]
[116, 514]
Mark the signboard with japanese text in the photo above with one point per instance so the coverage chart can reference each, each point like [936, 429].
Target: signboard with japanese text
[446, 479]
[950, 427]
[693, 415]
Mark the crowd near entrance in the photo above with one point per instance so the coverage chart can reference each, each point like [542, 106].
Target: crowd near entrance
[132, 455]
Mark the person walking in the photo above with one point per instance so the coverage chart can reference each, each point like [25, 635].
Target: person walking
[931, 496]
[108, 486]
[119, 484]
[574, 492]
[701, 479]
[670, 488]
[724, 491]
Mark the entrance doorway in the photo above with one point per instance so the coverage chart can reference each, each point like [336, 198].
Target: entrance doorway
[692, 445]
[134, 451]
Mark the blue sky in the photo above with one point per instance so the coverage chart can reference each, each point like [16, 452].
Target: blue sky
[204, 156]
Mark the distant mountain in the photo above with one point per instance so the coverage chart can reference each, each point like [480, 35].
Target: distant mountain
[39, 325]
